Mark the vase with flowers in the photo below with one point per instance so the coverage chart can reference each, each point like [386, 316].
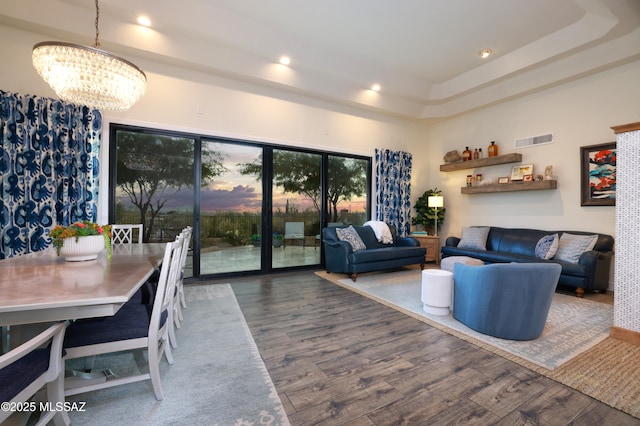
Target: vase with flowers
[81, 240]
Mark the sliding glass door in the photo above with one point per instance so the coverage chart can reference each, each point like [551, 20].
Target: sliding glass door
[254, 207]
[230, 209]
[152, 183]
[296, 218]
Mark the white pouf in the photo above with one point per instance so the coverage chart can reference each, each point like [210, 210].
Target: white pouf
[448, 262]
[437, 291]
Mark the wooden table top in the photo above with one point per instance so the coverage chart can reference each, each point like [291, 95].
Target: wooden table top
[41, 286]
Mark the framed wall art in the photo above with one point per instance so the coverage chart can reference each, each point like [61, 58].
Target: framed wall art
[518, 172]
[598, 174]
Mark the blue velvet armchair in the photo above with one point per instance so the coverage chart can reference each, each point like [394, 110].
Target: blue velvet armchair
[506, 300]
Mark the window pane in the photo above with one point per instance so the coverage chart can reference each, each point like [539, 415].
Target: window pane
[154, 184]
[231, 210]
[296, 208]
[347, 190]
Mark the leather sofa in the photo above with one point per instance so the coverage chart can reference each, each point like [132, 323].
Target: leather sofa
[341, 258]
[504, 245]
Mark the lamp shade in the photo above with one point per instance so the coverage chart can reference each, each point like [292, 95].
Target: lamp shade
[435, 201]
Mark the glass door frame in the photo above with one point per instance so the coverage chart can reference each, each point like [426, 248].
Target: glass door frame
[267, 181]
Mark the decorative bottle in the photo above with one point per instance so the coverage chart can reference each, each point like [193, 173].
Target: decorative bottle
[469, 180]
[476, 155]
[493, 149]
[466, 154]
[479, 152]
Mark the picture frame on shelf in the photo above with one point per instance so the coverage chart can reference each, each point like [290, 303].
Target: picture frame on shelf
[518, 172]
[598, 174]
[504, 179]
[527, 178]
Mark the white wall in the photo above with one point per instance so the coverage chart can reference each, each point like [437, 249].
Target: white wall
[578, 114]
[191, 101]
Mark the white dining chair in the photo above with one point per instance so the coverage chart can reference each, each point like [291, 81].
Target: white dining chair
[129, 329]
[126, 233]
[32, 365]
[293, 231]
[179, 300]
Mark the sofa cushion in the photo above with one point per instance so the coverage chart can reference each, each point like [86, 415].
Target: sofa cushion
[547, 246]
[383, 254]
[351, 236]
[571, 246]
[474, 237]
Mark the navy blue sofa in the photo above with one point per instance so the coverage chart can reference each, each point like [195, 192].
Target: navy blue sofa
[340, 257]
[504, 245]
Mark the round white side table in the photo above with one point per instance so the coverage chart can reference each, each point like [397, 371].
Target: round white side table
[437, 291]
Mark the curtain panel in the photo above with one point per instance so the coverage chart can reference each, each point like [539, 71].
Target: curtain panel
[49, 153]
[393, 189]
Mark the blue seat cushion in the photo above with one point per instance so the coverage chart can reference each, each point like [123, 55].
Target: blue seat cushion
[17, 376]
[130, 322]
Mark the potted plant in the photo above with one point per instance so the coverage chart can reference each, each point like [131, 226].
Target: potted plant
[425, 215]
[278, 239]
[81, 240]
[255, 240]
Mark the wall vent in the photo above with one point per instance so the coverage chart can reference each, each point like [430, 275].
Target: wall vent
[534, 140]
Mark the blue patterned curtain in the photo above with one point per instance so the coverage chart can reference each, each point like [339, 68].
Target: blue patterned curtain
[393, 189]
[49, 153]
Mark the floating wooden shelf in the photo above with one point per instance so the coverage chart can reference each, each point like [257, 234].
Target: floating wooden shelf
[510, 187]
[482, 162]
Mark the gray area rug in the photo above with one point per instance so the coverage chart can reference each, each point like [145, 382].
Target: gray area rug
[573, 326]
[218, 376]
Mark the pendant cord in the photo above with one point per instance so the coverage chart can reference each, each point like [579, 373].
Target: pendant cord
[97, 43]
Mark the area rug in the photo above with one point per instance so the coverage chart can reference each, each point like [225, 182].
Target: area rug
[218, 376]
[573, 326]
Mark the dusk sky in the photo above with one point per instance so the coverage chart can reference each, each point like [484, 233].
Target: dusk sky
[234, 192]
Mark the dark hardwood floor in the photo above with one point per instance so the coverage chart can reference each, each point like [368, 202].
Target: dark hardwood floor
[338, 358]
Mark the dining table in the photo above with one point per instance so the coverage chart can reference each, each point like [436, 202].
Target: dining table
[42, 287]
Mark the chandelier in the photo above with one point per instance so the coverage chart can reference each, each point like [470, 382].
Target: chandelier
[89, 76]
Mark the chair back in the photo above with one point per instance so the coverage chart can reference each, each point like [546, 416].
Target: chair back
[186, 240]
[27, 368]
[293, 230]
[169, 274]
[124, 233]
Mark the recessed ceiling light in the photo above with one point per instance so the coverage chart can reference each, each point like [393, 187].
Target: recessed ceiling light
[375, 87]
[144, 21]
[484, 53]
[284, 60]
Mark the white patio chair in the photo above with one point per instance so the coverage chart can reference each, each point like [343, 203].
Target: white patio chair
[32, 365]
[124, 234]
[293, 231]
[130, 328]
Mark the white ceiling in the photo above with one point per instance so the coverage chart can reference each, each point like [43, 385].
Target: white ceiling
[423, 53]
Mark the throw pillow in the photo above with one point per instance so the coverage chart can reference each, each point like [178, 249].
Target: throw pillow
[571, 246]
[351, 236]
[547, 246]
[474, 237]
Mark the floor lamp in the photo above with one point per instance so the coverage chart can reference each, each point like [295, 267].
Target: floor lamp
[435, 201]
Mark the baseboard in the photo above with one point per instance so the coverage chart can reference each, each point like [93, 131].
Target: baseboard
[625, 335]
